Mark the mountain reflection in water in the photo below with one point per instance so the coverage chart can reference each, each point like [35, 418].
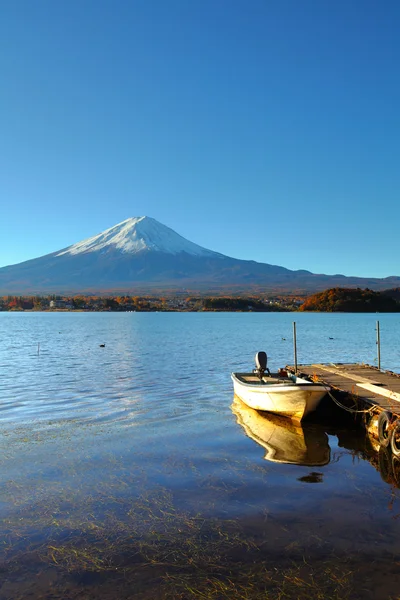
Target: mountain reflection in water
[284, 440]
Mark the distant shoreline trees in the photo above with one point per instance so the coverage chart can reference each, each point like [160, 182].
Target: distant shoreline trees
[351, 300]
[331, 300]
[148, 303]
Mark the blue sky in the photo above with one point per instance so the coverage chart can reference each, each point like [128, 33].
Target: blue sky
[265, 130]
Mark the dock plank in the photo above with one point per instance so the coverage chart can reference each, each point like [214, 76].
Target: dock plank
[365, 383]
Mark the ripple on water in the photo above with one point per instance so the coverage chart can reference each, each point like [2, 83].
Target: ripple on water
[134, 448]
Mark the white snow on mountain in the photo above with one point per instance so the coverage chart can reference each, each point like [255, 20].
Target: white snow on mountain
[137, 234]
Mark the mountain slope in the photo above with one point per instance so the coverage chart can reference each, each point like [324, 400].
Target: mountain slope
[141, 253]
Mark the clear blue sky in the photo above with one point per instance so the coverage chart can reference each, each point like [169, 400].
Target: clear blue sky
[265, 130]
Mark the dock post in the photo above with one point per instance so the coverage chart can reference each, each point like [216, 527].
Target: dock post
[295, 347]
[378, 344]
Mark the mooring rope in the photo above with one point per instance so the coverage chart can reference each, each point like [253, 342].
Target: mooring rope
[350, 410]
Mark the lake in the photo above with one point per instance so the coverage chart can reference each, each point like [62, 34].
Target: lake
[129, 470]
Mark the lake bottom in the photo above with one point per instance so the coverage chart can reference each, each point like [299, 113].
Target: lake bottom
[107, 522]
[194, 557]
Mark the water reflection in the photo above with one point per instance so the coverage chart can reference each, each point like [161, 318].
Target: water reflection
[381, 458]
[307, 443]
[284, 440]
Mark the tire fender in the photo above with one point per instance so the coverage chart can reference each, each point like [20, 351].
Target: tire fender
[384, 428]
[395, 439]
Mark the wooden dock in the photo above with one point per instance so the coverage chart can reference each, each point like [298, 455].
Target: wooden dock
[360, 387]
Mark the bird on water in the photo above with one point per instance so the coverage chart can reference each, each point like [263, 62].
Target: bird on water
[102, 345]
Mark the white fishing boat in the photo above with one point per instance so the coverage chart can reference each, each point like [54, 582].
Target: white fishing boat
[284, 441]
[281, 393]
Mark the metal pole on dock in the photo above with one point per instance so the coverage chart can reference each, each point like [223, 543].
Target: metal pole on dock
[295, 347]
[378, 344]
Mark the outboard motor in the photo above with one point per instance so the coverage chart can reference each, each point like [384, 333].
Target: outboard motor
[261, 364]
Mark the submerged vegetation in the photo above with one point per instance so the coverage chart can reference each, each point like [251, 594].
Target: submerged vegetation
[121, 537]
[146, 542]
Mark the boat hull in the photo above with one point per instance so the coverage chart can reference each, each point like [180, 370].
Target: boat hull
[294, 400]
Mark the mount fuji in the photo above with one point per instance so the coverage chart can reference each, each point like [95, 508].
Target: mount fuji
[141, 254]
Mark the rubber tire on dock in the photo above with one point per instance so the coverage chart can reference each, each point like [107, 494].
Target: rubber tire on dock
[384, 431]
[395, 439]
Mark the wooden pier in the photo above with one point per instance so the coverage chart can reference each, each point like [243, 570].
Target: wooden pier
[362, 388]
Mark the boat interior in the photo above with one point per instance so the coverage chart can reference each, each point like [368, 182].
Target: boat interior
[271, 379]
[262, 375]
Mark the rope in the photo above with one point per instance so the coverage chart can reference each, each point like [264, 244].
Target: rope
[350, 410]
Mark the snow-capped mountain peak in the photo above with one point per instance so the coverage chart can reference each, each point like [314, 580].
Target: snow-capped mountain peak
[140, 255]
[138, 234]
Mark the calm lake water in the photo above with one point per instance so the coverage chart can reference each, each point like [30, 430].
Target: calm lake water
[129, 471]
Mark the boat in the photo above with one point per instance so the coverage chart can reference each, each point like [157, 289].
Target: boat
[284, 441]
[282, 393]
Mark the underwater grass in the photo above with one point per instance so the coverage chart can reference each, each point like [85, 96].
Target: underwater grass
[125, 539]
[193, 556]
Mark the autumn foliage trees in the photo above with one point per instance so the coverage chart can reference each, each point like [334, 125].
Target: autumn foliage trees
[350, 300]
[144, 303]
[332, 300]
